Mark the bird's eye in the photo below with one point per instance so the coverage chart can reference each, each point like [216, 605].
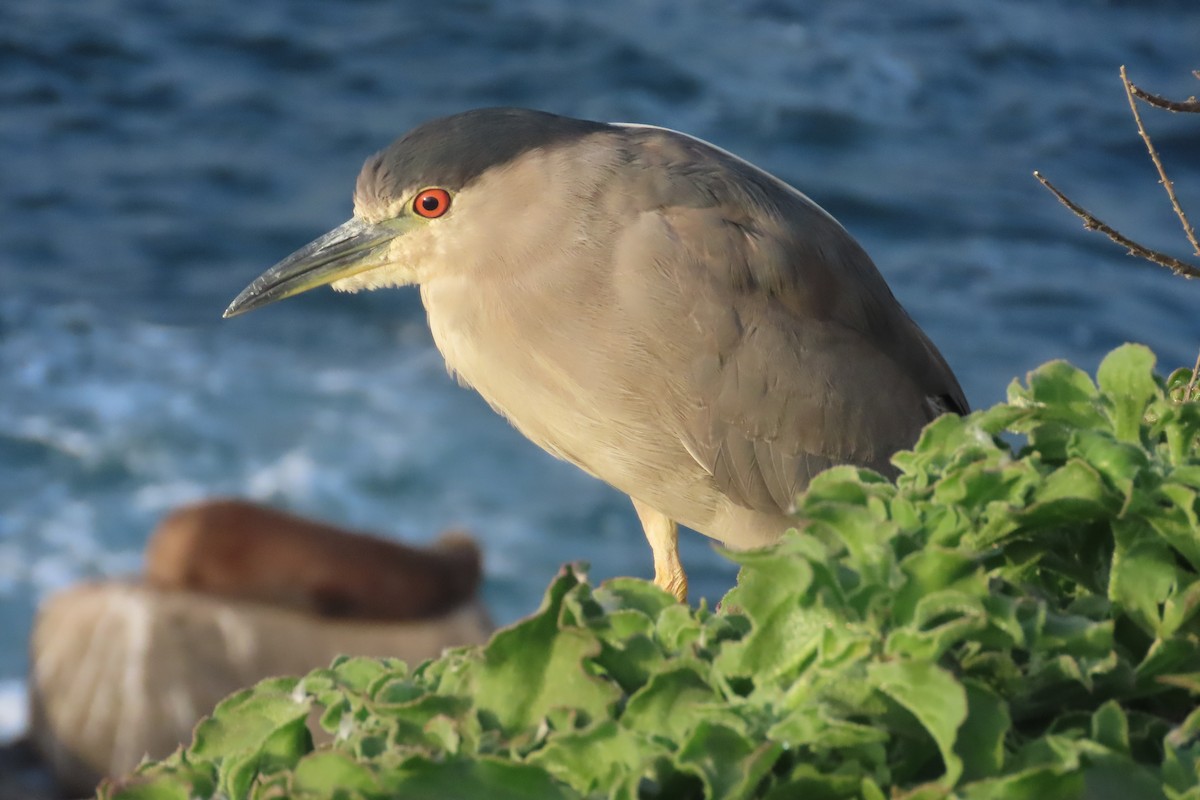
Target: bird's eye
[432, 203]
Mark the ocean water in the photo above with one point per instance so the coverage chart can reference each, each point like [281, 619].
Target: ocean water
[154, 158]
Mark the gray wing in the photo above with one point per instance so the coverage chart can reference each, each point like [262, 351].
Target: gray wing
[798, 356]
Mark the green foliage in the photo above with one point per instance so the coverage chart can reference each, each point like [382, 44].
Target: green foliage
[997, 623]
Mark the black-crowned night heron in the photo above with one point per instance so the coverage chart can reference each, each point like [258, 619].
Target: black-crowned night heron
[660, 313]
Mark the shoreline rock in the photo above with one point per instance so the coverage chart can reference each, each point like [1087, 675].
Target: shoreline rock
[234, 593]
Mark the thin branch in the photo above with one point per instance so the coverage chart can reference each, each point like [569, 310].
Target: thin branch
[1189, 106]
[1091, 223]
[1190, 391]
[1188, 230]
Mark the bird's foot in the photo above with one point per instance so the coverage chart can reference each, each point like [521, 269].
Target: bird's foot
[673, 581]
[663, 535]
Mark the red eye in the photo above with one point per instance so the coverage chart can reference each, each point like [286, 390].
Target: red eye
[432, 203]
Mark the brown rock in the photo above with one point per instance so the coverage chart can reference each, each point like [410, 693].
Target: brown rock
[122, 670]
[233, 593]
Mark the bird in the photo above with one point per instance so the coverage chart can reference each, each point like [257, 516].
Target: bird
[668, 317]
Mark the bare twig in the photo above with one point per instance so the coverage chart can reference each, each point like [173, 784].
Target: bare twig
[1093, 224]
[1188, 230]
[1190, 390]
[1189, 106]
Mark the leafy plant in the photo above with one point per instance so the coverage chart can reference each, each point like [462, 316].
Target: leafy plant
[1015, 617]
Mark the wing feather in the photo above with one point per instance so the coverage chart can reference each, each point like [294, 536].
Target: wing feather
[797, 354]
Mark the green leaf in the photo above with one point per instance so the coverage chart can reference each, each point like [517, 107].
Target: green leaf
[1118, 462]
[931, 570]
[629, 659]
[1111, 728]
[1168, 660]
[814, 725]
[598, 757]
[1176, 520]
[1179, 423]
[934, 697]
[729, 763]
[999, 418]
[809, 781]
[1143, 574]
[159, 787]
[1072, 495]
[1060, 392]
[938, 445]
[445, 734]
[1039, 782]
[673, 703]
[396, 692]
[1178, 381]
[277, 752]
[941, 620]
[862, 532]
[534, 666]
[678, 628]
[980, 483]
[419, 711]
[870, 790]
[357, 673]
[1126, 376]
[328, 773]
[980, 741]
[1080, 481]
[785, 629]
[1048, 442]
[1119, 779]
[845, 484]
[1180, 609]
[490, 777]
[247, 719]
[635, 595]
[1187, 732]
[455, 673]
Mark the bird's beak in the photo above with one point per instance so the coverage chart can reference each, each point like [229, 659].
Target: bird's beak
[353, 247]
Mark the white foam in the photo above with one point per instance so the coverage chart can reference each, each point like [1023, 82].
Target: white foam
[14, 709]
[292, 475]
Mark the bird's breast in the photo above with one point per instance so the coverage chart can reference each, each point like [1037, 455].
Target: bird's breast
[569, 379]
[526, 362]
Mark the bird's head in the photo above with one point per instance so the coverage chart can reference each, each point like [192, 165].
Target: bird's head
[432, 188]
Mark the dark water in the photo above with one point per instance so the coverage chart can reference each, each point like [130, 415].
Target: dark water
[155, 157]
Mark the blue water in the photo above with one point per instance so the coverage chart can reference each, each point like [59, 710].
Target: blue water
[154, 160]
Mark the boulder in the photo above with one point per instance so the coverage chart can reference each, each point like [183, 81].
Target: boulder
[234, 593]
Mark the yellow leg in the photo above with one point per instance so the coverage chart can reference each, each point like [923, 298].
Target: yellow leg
[663, 534]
